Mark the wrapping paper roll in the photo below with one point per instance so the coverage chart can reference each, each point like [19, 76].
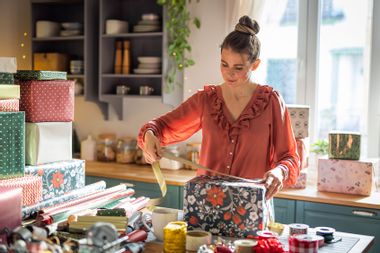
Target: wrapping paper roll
[9, 105]
[31, 188]
[29, 211]
[303, 243]
[298, 229]
[196, 238]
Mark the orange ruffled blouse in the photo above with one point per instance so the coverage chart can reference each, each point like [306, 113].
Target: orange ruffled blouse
[259, 140]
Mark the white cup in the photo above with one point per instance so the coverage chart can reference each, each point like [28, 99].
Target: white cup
[160, 218]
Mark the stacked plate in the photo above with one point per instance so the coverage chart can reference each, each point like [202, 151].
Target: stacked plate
[149, 23]
[71, 29]
[148, 65]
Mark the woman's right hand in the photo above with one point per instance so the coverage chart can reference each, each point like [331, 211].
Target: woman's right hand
[152, 147]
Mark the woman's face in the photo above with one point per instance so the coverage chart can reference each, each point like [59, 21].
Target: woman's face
[235, 67]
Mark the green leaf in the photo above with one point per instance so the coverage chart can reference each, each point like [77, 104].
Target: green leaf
[197, 23]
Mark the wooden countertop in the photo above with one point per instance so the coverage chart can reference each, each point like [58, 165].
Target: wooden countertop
[144, 173]
[363, 245]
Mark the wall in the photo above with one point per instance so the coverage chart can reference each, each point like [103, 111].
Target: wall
[206, 54]
[88, 118]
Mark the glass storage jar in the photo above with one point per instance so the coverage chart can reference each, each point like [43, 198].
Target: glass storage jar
[192, 153]
[126, 150]
[170, 164]
[105, 148]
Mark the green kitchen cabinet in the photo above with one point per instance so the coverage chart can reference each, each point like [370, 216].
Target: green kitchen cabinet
[355, 220]
[284, 210]
[173, 198]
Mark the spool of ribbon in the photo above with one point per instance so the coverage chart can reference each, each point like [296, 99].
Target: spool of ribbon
[264, 234]
[328, 234]
[244, 246]
[298, 229]
[196, 238]
[175, 237]
[303, 243]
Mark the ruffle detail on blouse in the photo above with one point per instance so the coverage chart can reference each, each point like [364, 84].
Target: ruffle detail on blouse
[260, 103]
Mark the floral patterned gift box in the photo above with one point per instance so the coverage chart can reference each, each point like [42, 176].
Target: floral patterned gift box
[225, 206]
[60, 177]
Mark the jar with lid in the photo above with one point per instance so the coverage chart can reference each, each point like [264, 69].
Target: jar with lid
[192, 153]
[139, 157]
[170, 164]
[105, 148]
[126, 148]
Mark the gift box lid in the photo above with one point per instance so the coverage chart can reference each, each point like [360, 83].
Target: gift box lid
[25, 75]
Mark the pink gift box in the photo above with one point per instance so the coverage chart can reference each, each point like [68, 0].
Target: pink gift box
[9, 105]
[303, 153]
[31, 188]
[301, 181]
[10, 209]
[346, 176]
[47, 101]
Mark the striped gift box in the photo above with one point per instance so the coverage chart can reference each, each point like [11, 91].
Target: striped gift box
[9, 105]
[31, 188]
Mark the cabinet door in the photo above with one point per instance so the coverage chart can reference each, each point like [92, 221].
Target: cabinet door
[346, 219]
[173, 198]
[284, 210]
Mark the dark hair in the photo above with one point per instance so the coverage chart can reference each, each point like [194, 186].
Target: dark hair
[243, 39]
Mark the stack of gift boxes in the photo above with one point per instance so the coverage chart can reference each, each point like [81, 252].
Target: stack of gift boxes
[16, 188]
[43, 142]
[345, 171]
[299, 117]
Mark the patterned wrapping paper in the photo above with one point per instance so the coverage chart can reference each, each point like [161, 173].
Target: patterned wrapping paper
[9, 105]
[47, 101]
[347, 176]
[8, 91]
[301, 181]
[31, 188]
[303, 153]
[12, 144]
[48, 142]
[27, 75]
[8, 64]
[29, 211]
[60, 177]
[344, 145]
[10, 209]
[6, 78]
[299, 117]
[225, 206]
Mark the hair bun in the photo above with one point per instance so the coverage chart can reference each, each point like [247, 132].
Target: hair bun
[247, 25]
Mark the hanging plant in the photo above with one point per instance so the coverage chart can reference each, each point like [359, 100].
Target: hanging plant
[177, 25]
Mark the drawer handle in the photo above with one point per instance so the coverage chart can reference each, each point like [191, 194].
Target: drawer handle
[364, 213]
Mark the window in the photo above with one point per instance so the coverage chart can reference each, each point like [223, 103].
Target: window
[341, 85]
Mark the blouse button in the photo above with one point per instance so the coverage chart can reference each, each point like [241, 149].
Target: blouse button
[228, 166]
[232, 141]
[230, 153]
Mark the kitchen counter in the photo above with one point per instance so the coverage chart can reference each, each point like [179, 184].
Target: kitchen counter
[144, 173]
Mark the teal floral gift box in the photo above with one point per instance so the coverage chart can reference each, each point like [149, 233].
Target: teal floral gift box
[59, 178]
[225, 206]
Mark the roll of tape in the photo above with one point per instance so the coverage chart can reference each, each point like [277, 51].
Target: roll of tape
[244, 246]
[298, 229]
[325, 230]
[197, 238]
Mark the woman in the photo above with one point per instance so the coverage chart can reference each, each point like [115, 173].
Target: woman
[246, 130]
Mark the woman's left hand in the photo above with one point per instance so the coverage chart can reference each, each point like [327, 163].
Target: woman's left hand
[273, 182]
